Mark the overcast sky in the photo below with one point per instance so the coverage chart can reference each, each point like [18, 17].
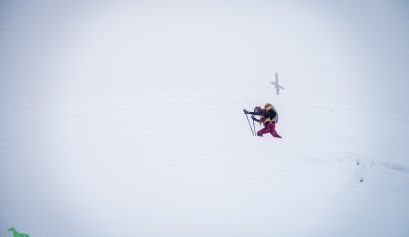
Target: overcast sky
[350, 52]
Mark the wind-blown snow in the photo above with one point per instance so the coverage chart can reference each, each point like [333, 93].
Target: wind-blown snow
[184, 164]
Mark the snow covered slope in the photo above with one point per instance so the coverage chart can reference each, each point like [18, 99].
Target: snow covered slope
[186, 164]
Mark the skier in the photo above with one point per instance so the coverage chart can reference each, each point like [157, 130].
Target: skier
[269, 118]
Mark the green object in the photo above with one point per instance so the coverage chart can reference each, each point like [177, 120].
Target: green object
[16, 234]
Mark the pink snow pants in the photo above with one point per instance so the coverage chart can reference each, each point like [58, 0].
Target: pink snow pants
[269, 128]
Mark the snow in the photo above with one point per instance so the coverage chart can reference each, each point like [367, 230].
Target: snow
[186, 164]
[125, 118]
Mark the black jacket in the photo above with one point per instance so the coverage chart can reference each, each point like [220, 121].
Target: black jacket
[264, 114]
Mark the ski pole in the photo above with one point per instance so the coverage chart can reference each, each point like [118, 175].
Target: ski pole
[254, 126]
[249, 123]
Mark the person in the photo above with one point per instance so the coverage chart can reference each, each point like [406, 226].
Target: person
[268, 117]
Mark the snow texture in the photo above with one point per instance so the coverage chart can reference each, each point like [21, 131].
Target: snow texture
[186, 164]
[125, 118]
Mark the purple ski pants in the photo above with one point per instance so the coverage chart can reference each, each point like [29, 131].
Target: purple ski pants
[269, 128]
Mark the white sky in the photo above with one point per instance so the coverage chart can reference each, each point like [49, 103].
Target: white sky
[353, 53]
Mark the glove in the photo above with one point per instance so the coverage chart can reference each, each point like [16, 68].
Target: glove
[252, 116]
[245, 111]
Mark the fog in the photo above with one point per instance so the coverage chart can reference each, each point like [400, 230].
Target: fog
[352, 53]
[84, 86]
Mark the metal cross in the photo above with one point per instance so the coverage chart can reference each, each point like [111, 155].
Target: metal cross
[277, 86]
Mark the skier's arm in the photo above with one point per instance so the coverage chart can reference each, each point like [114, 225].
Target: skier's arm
[254, 113]
[254, 118]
